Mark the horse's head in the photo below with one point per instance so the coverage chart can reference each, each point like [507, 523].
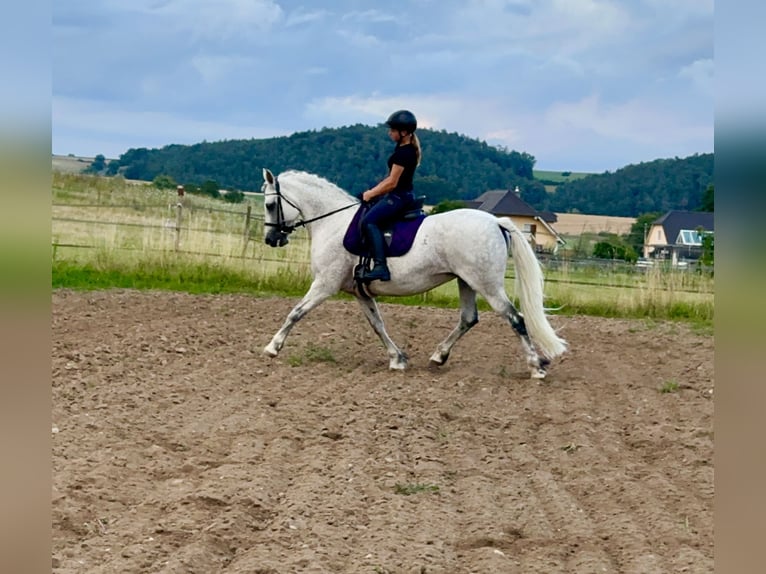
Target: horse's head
[280, 214]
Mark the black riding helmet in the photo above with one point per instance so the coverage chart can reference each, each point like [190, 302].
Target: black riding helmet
[403, 120]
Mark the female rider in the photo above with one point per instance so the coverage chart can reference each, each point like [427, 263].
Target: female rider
[391, 197]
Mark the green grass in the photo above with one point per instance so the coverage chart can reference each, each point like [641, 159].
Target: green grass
[312, 353]
[173, 275]
[669, 387]
[557, 176]
[414, 488]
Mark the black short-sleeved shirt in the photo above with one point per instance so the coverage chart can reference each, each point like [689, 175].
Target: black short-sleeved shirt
[407, 157]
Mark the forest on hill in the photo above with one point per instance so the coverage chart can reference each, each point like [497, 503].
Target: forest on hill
[454, 167]
[655, 186]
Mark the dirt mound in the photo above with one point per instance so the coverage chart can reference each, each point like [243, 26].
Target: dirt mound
[179, 447]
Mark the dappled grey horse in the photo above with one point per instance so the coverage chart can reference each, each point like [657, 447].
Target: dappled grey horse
[466, 244]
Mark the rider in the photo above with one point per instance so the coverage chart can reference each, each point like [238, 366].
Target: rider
[396, 187]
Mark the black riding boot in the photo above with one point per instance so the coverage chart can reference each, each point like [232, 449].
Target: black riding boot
[380, 269]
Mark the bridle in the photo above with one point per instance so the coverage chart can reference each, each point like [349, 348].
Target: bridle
[280, 224]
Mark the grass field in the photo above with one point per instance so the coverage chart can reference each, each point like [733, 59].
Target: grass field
[107, 232]
[558, 176]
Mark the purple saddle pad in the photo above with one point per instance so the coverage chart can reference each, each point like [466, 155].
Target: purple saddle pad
[398, 243]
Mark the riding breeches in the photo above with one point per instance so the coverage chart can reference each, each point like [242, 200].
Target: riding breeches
[387, 209]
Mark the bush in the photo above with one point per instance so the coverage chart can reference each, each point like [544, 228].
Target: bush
[234, 196]
[608, 250]
[447, 205]
[164, 182]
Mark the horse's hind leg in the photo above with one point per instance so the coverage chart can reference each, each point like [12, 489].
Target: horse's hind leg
[397, 358]
[503, 306]
[469, 316]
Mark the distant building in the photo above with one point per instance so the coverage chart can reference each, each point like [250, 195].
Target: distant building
[677, 236]
[536, 225]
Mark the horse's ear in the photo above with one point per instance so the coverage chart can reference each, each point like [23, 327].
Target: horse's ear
[268, 176]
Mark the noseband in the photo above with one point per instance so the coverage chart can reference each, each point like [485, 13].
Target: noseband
[281, 225]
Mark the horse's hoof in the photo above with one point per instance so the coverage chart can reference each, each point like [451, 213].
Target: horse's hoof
[538, 374]
[398, 364]
[270, 351]
[437, 359]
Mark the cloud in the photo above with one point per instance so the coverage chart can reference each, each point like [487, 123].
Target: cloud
[117, 129]
[681, 9]
[565, 80]
[195, 19]
[359, 39]
[431, 109]
[632, 120]
[369, 16]
[214, 69]
[302, 16]
[700, 72]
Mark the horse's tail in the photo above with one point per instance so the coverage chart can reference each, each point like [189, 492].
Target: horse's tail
[529, 288]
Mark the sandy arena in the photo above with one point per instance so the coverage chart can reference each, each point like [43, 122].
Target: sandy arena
[178, 447]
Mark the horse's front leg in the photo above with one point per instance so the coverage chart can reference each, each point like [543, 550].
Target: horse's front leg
[397, 358]
[316, 294]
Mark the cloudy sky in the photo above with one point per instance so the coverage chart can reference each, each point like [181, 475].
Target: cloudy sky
[582, 85]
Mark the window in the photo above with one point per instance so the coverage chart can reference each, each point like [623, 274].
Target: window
[689, 237]
[530, 228]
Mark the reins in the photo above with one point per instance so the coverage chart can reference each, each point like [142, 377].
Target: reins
[303, 222]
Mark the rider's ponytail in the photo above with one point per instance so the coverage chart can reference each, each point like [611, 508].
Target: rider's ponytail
[416, 143]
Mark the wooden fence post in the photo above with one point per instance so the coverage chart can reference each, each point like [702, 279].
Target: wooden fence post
[179, 215]
[247, 229]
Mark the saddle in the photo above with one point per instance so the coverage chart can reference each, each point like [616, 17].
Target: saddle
[398, 235]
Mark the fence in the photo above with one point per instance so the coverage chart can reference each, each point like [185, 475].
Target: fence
[184, 227]
[188, 227]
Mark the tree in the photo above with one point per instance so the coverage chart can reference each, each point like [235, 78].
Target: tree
[635, 238]
[164, 182]
[614, 249]
[534, 194]
[234, 196]
[210, 187]
[97, 165]
[707, 199]
[113, 167]
[447, 205]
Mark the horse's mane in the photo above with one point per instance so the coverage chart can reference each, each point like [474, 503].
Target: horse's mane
[312, 180]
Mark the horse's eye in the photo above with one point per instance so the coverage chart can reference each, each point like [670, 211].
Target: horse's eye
[270, 207]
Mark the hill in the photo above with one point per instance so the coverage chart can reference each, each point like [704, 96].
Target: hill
[454, 167]
[70, 163]
[354, 157]
[655, 186]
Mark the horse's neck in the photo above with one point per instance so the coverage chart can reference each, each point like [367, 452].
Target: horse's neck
[317, 199]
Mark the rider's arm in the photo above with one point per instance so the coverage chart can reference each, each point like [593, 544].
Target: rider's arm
[386, 185]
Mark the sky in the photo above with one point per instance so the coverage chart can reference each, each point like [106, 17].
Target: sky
[581, 85]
